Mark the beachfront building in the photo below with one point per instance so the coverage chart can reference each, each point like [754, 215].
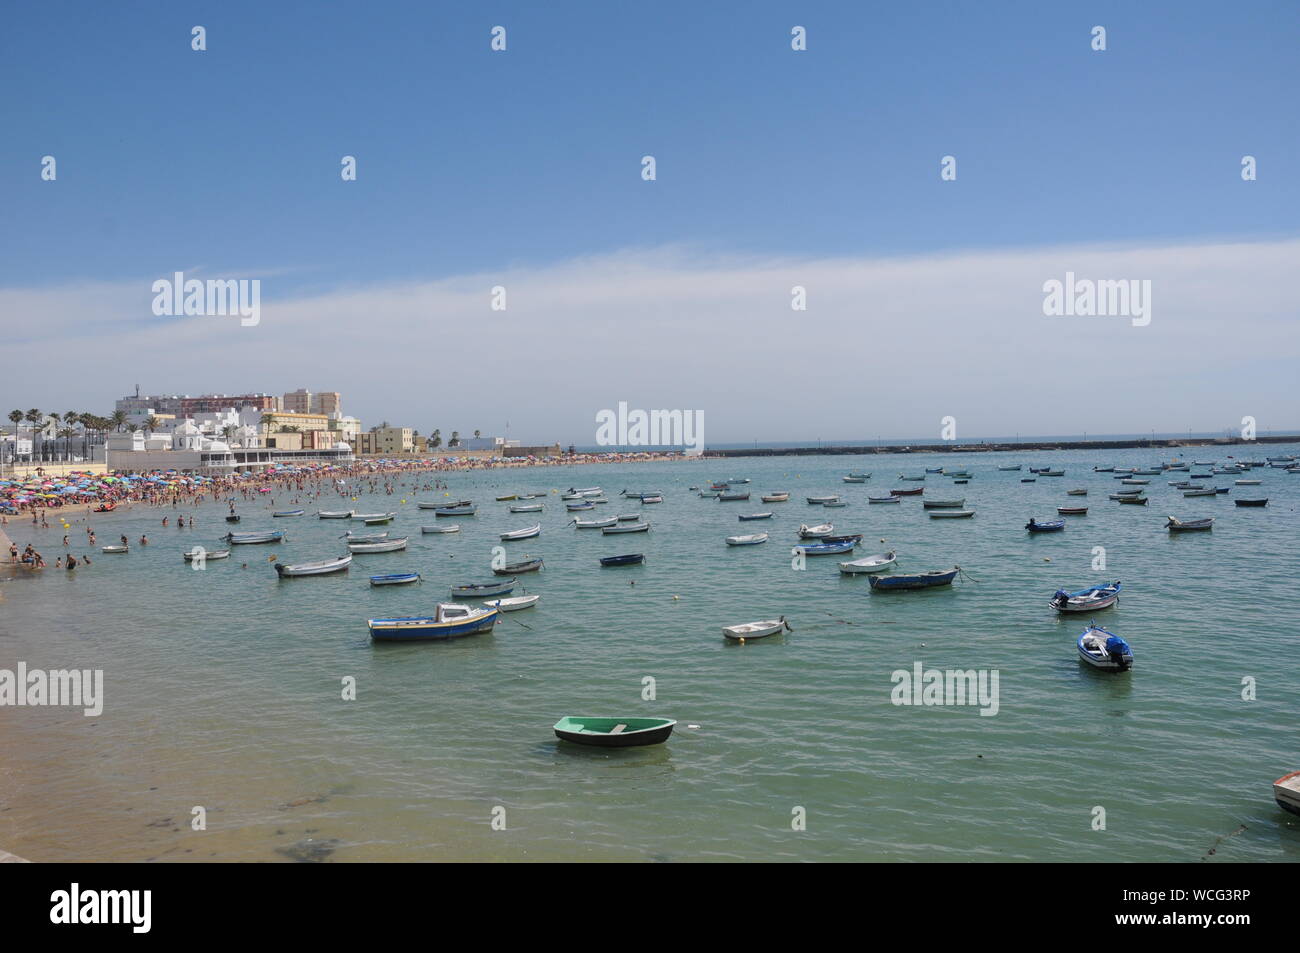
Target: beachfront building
[189, 450]
[184, 405]
[303, 401]
[385, 441]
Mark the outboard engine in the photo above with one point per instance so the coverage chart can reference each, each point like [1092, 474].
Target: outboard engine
[1061, 597]
[1116, 648]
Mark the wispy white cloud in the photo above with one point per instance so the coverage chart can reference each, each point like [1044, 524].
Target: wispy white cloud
[887, 346]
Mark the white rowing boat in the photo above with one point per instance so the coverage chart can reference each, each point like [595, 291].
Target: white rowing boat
[514, 603]
[753, 539]
[382, 546]
[755, 630]
[877, 563]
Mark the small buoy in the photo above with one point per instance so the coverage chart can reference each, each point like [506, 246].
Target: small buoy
[742, 641]
[675, 598]
[1047, 559]
[632, 583]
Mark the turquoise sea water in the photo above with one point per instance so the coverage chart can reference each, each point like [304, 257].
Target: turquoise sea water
[223, 685]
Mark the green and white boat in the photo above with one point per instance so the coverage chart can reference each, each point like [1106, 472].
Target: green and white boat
[614, 732]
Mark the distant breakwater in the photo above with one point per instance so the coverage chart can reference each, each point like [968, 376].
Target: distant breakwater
[1025, 447]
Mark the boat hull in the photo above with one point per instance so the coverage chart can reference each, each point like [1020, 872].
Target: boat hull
[572, 730]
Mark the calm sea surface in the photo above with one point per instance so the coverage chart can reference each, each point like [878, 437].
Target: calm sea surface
[223, 685]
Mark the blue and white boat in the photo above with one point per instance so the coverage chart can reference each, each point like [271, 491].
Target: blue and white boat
[395, 579]
[484, 590]
[243, 539]
[448, 621]
[460, 509]
[924, 580]
[1104, 650]
[631, 559]
[755, 516]
[824, 549]
[1084, 600]
[281, 513]
[1049, 526]
[576, 507]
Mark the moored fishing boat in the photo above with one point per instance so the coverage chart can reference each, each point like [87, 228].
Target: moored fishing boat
[775, 497]
[283, 513]
[1048, 526]
[1077, 492]
[444, 506]
[1248, 482]
[1084, 600]
[753, 539]
[364, 537]
[395, 579]
[1206, 491]
[1258, 502]
[528, 532]
[1010, 468]
[1072, 511]
[755, 630]
[245, 539]
[819, 500]
[853, 538]
[205, 554]
[514, 603]
[924, 580]
[484, 590]
[722, 497]
[1186, 526]
[868, 564]
[380, 520]
[578, 507]
[1286, 791]
[835, 505]
[370, 516]
[448, 621]
[917, 492]
[630, 559]
[460, 509]
[1105, 650]
[335, 514]
[629, 517]
[114, 549]
[613, 732]
[754, 516]
[594, 524]
[527, 565]
[933, 504]
[527, 508]
[951, 514]
[823, 549]
[625, 528]
[379, 546]
[853, 479]
[656, 498]
[814, 532]
[319, 568]
[884, 499]
[507, 498]
[1135, 500]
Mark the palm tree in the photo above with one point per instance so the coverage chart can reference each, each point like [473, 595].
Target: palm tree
[118, 419]
[17, 417]
[435, 440]
[455, 439]
[132, 428]
[151, 424]
[228, 432]
[478, 434]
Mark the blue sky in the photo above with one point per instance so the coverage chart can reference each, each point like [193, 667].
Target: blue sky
[226, 162]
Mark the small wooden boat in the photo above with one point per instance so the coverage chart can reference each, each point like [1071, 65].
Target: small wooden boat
[577, 507]
[933, 504]
[1222, 489]
[528, 532]
[963, 474]
[453, 528]
[364, 537]
[961, 482]
[1187, 526]
[515, 603]
[463, 509]
[1015, 467]
[1105, 650]
[917, 492]
[484, 590]
[395, 579]
[631, 559]
[1051, 473]
[859, 475]
[625, 528]
[1207, 491]
[245, 539]
[448, 621]
[614, 732]
[380, 520]
[1263, 502]
[527, 508]
[594, 524]
[320, 568]
[913, 478]
[282, 513]
[335, 514]
[379, 546]
[1248, 482]
[629, 517]
[512, 569]
[853, 479]
[754, 516]
[755, 630]
[775, 497]
[815, 532]
[114, 549]
[1122, 494]
[853, 538]
[934, 469]
[1077, 492]
[722, 498]
[824, 549]
[190, 555]
[753, 539]
[371, 516]
[1135, 500]
[1050, 526]
[951, 514]
[1103, 469]
[1286, 791]
[660, 499]
[884, 499]
[819, 500]
[877, 563]
[507, 498]
[1134, 482]
[444, 506]
[1029, 480]
[925, 580]
[1072, 511]
[1085, 600]
[580, 490]
[837, 504]
[232, 519]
